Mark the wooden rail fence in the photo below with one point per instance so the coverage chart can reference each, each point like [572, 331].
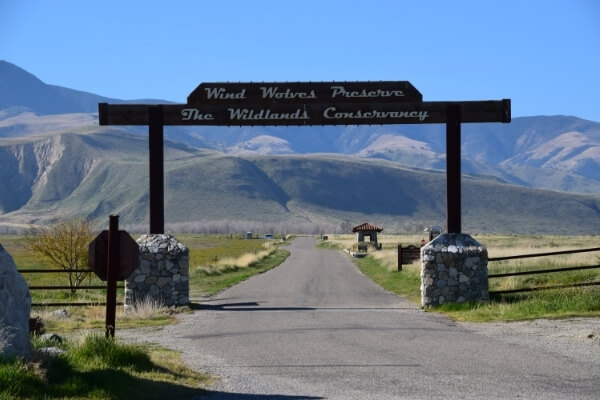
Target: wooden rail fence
[64, 287]
[544, 271]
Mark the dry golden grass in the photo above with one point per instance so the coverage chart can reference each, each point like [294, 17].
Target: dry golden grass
[498, 246]
[146, 313]
[243, 261]
[148, 308]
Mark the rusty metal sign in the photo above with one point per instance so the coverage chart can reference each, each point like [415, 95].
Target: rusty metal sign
[128, 255]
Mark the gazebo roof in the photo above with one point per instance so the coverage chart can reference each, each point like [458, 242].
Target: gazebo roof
[367, 227]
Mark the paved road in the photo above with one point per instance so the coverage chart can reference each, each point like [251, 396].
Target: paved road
[316, 328]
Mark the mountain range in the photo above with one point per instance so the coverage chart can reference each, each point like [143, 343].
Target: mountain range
[535, 175]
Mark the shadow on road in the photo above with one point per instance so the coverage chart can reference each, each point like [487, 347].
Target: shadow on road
[242, 396]
[255, 306]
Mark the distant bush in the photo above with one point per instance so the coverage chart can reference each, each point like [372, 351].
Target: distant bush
[64, 244]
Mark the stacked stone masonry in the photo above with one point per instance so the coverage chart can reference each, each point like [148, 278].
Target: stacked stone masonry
[163, 274]
[453, 269]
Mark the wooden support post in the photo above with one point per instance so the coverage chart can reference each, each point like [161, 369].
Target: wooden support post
[112, 270]
[157, 178]
[399, 257]
[453, 184]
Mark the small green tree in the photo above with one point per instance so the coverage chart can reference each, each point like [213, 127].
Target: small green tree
[64, 244]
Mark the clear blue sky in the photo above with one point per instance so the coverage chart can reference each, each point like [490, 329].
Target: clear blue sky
[543, 54]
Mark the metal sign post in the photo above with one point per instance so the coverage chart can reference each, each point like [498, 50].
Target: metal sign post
[111, 271]
[306, 104]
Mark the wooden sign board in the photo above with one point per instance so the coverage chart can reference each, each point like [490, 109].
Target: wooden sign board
[410, 254]
[304, 92]
[306, 114]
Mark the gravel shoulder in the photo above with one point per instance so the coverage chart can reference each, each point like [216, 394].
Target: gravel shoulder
[574, 338]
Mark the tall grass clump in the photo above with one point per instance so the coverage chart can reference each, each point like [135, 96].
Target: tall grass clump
[100, 352]
[147, 308]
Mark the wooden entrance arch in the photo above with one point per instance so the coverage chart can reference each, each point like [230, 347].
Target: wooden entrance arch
[306, 103]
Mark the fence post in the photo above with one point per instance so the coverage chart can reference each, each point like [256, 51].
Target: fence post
[399, 257]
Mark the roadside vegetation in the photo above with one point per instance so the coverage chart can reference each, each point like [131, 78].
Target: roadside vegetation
[216, 262]
[94, 367]
[381, 266]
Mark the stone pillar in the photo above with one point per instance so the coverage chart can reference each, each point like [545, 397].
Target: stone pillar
[163, 273]
[453, 269]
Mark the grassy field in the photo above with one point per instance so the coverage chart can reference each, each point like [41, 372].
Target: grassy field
[381, 266]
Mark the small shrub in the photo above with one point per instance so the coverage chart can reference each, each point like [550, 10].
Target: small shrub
[65, 245]
[147, 308]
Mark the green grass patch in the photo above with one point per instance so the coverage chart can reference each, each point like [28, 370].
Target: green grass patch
[205, 284]
[551, 304]
[406, 283]
[100, 368]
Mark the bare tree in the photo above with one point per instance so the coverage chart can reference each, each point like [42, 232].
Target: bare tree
[64, 244]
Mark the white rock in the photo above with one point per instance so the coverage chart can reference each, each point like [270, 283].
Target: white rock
[59, 314]
[15, 305]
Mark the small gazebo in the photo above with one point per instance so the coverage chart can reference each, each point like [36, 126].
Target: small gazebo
[367, 229]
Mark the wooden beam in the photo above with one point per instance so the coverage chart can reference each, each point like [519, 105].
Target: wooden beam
[300, 114]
